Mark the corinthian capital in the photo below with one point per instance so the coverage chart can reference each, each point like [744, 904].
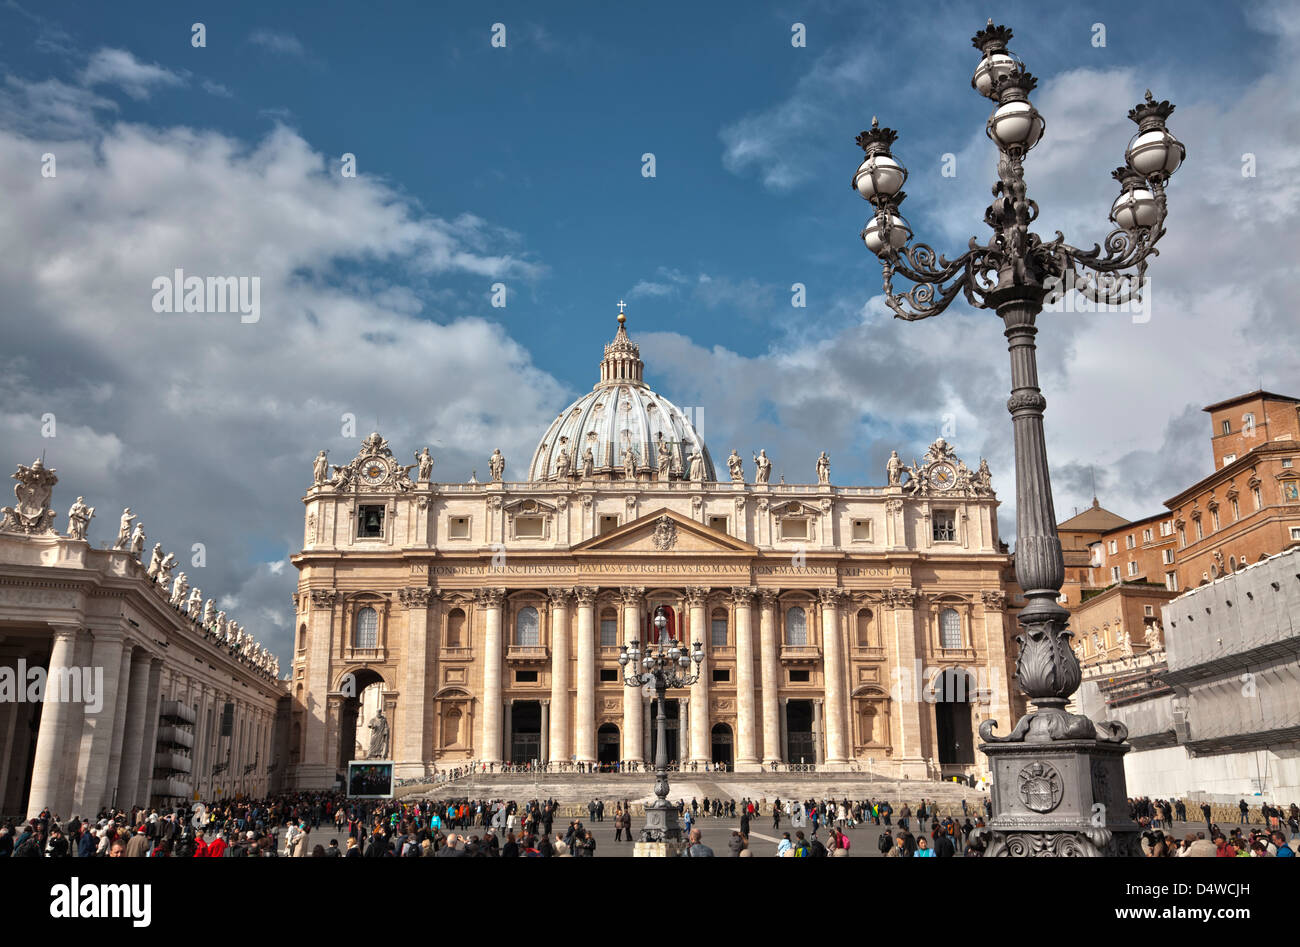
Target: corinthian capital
[743, 595]
[417, 597]
[632, 594]
[586, 595]
[324, 598]
[695, 596]
[768, 597]
[830, 598]
[560, 597]
[490, 598]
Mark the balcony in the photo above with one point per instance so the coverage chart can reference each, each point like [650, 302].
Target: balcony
[528, 654]
[800, 654]
[171, 760]
[175, 736]
[867, 654]
[365, 655]
[171, 787]
[176, 712]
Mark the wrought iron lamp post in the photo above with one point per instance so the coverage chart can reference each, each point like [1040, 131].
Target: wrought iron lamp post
[668, 666]
[1058, 777]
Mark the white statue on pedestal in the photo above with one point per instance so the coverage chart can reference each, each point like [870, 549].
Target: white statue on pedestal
[497, 465]
[762, 467]
[79, 518]
[179, 588]
[823, 469]
[320, 469]
[155, 561]
[137, 541]
[736, 466]
[124, 529]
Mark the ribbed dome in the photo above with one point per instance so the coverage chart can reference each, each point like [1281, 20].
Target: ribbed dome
[619, 413]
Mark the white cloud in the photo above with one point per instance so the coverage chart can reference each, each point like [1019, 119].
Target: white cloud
[119, 67]
[277, 42]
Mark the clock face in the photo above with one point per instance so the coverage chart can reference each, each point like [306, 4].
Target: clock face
[374, 471]
[942, 476]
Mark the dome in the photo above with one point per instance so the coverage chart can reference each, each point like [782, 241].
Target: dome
[618, 414]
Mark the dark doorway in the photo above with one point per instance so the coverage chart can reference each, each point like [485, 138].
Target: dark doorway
[607, 746]
[721, 752]
[799, 732]
[672, 714]
[525, 731]
[953, 693]
[353, 687]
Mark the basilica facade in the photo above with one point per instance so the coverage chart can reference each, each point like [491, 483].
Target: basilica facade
[843, 627]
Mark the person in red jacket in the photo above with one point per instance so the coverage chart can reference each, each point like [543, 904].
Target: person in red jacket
[217, 847]
[200, 847]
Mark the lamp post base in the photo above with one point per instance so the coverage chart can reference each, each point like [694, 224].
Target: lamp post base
[1064, 798]
[661, 823]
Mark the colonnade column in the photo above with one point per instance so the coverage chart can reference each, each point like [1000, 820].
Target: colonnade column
[144, 788]
[491, 600]
[546, 730]
[51, 779]
[555, 740]
[819, 752]
[113, 770]
[909, 753]
[770, 660]
[746, 744]
[585, 722]
[700, 749]
[508, 708]
[411, 750]
[833, 672]
[97, 729]
[633, 706]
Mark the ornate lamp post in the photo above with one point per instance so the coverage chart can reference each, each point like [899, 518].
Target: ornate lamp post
[668, 666]
[1058, 777]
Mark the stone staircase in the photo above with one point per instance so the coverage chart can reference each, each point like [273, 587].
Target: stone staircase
[575, 790]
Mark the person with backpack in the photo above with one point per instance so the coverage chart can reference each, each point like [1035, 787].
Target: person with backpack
[885, 842]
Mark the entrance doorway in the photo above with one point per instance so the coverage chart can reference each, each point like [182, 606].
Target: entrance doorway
[672, 713]
[525, 731]
[607, 746]
[953, 691]
[363, 696]
[721, 752]
[800, 747]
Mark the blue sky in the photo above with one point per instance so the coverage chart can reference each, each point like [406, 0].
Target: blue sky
[523, 165]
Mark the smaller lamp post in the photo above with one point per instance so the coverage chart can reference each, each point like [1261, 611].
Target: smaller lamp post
[667, 666]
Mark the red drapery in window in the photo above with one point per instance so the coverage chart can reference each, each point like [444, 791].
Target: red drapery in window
[651, 633]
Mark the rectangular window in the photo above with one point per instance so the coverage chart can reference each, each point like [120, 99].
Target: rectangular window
[1258, 497]
[458, 527]
[609, 675]
[799, 677]
[1182, 539]
[1112, 547]
[606, 523]
[1114, 573]
[1146, 535]
[1128, 541]
[1236, 510]
[721, 675]
[1132, 568]
[1286, 461]
[525, 677]
[944, 529]
[719, 630]
[861, 531]
[1148, 610]
[1295, 533]
[1214, 518]
[528, 527]
[609, 632]
[794, 528]
[1226, 426]
[1200, 534]
[719, 523]
[370, 522]
[1171, 581]
[1168, 556]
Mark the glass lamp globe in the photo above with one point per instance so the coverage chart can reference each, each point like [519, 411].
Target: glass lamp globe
[1016, 125]
[879, 176]
[622, 659]
[899, 233]
[1155, 153]
[648, 663]
[992, 68]
[684, 661]
[1134, 208]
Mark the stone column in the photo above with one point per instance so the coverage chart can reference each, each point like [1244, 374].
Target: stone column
[410, 752]
[770, 660]
[699, 746]
[491, 600]
[128, 779]
[114, 767]
[546, 731]
[833, 671]
[908, 752]
[52, 770]
[585, 716]
[785, 719]
[318, 760]
[633, 704]
[746, 746]
[646, 727]
[8, 751]
[97, 729]
[555, 741]
[818, 753]
[150, 743]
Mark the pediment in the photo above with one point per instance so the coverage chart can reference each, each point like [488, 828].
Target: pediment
[664, 532]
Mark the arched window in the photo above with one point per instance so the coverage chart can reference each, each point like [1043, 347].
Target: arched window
[367, 630]
[608, 628]
[864, 628]
[949, 629]
[302, 636]
[527, 627]
[456, 628]
[796, 627]
[719, 628]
